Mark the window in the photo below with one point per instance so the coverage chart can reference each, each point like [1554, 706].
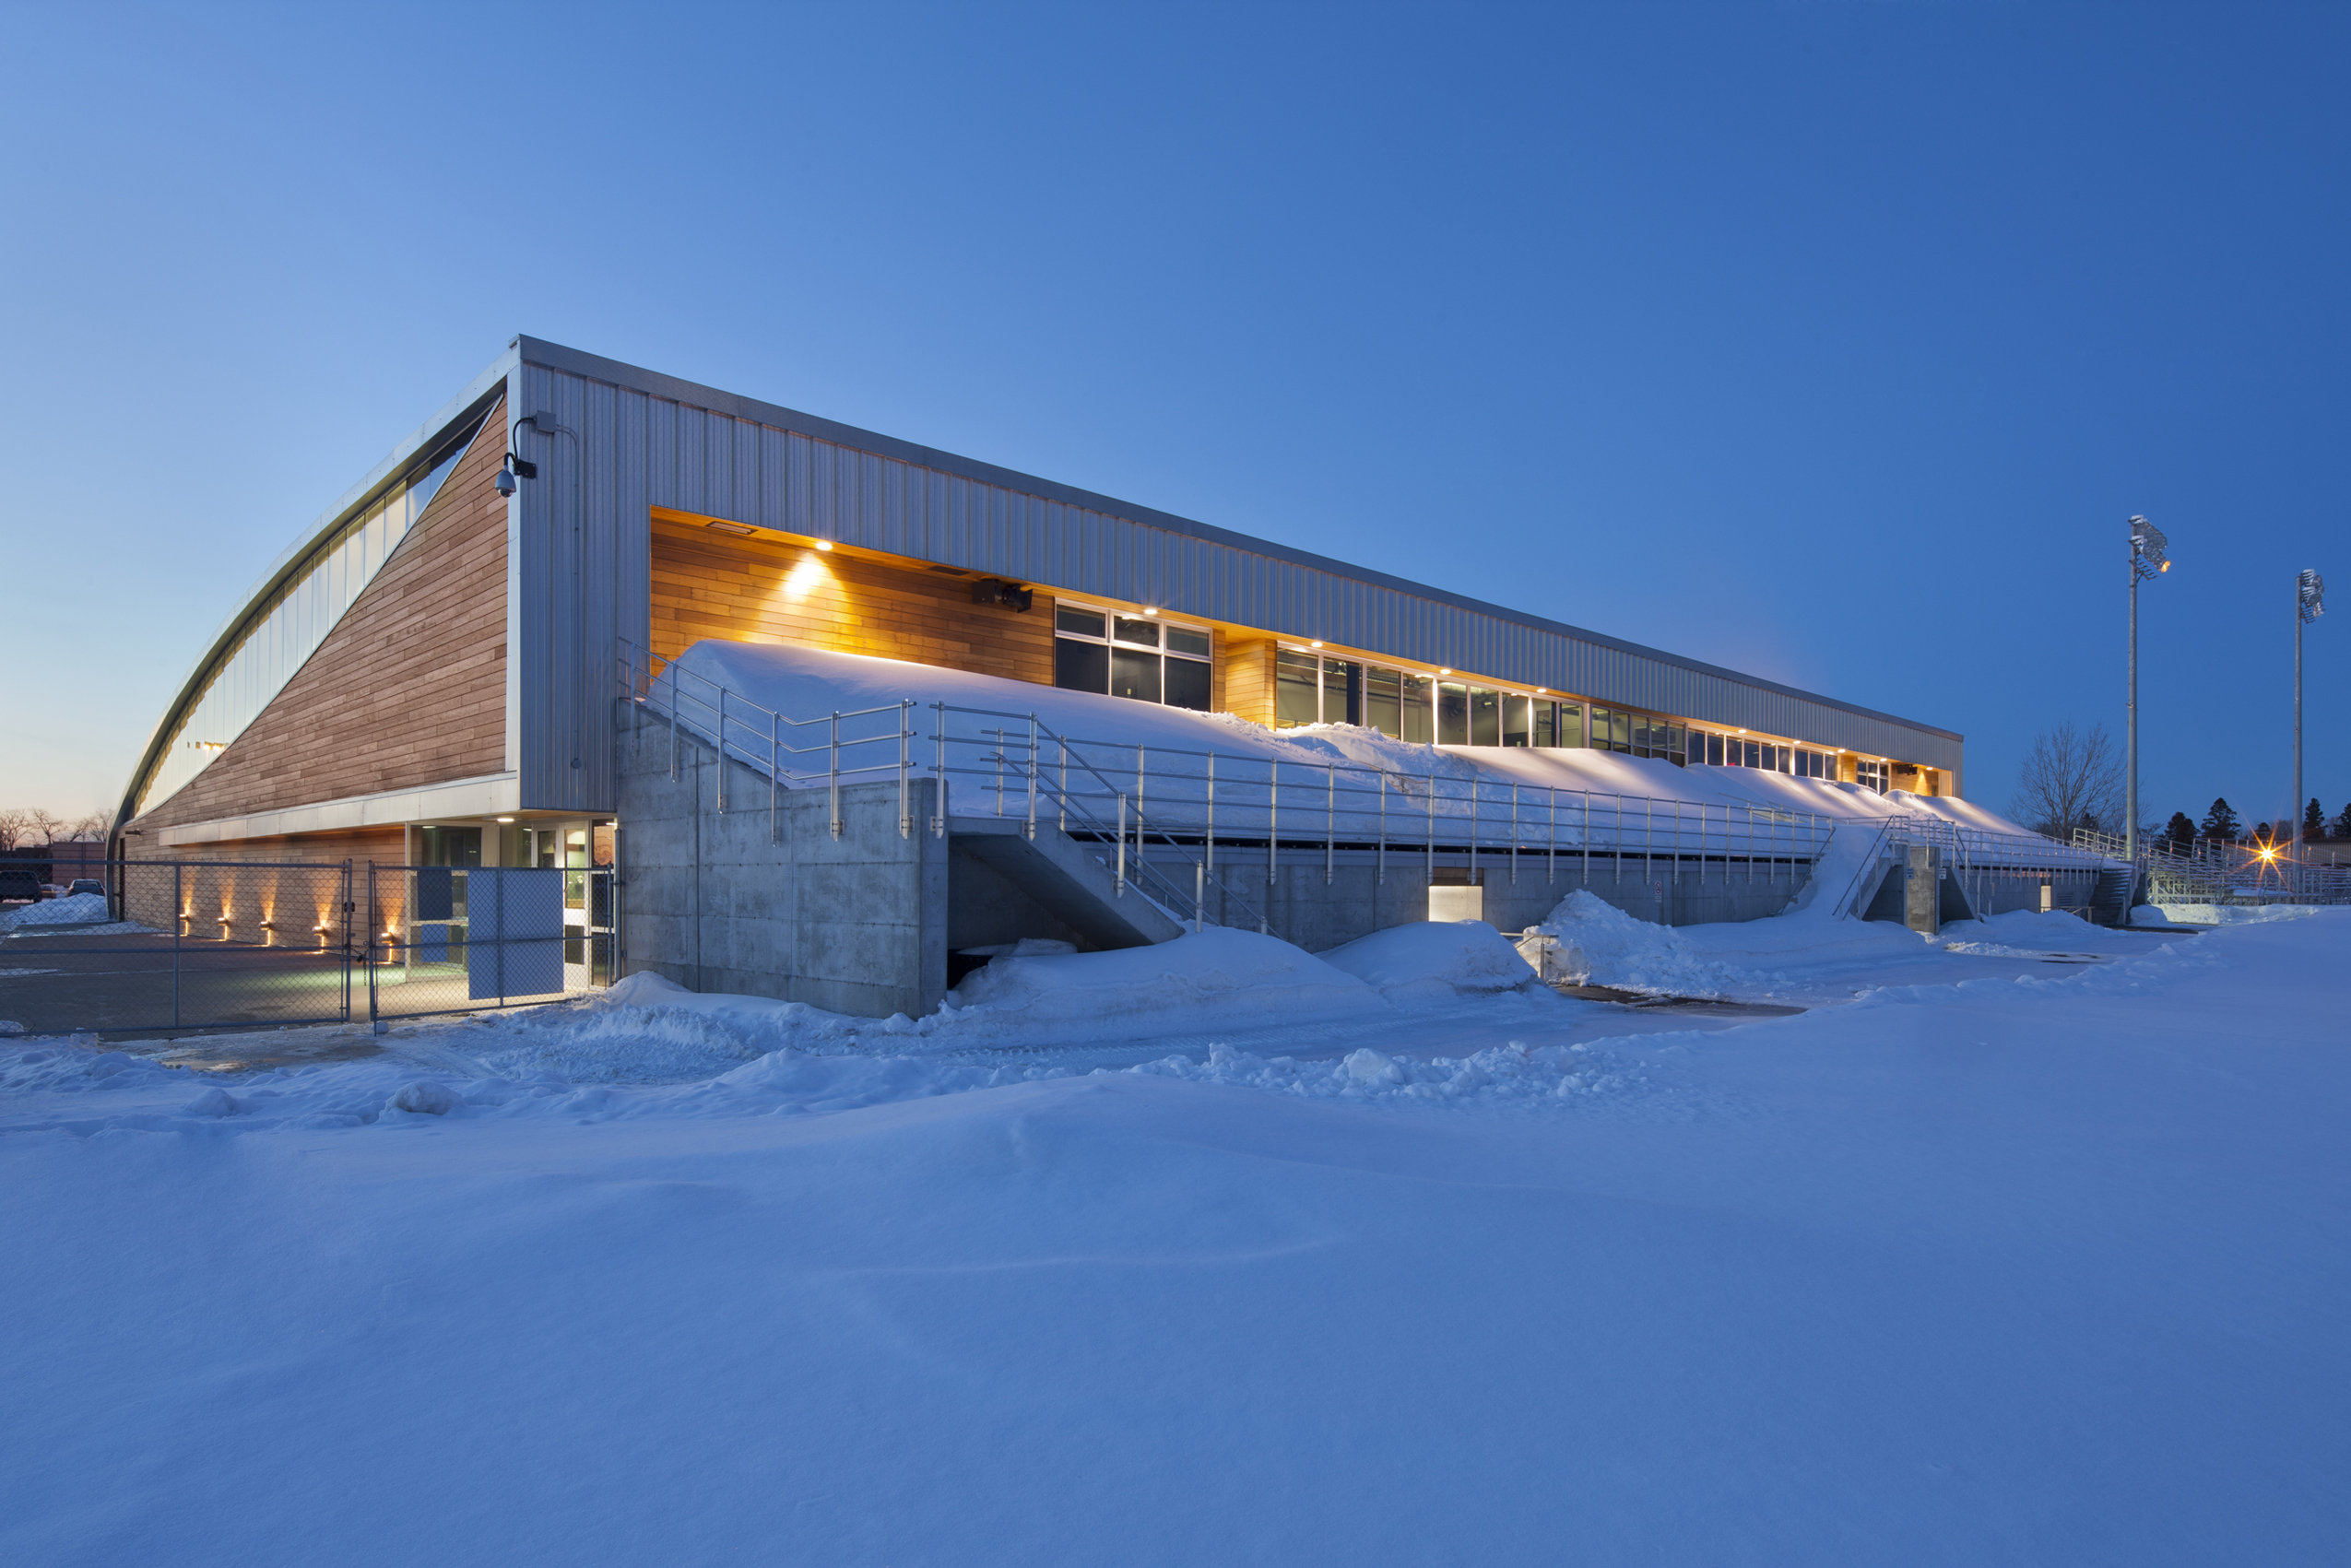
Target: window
[1132, 655]
[1571, 724]
[1870, 775]
[1452, 713]
[1815, 765]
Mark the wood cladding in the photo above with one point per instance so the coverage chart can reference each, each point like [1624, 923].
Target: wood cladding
[708, 584]
[1245, 678]
[408, 688]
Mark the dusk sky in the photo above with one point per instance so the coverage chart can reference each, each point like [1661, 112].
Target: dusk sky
[1830, 342]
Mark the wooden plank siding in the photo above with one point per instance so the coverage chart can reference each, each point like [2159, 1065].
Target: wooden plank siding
[1245, 677]
[408, 688]
[708, 584]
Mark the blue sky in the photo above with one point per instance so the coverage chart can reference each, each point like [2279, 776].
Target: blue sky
[1827, 341]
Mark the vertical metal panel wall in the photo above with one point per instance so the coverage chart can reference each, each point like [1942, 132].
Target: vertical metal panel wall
[586, 574]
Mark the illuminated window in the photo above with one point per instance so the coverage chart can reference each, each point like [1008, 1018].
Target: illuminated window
[1147, 658]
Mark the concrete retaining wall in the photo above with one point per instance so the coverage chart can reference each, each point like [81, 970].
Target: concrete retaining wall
[725, 901]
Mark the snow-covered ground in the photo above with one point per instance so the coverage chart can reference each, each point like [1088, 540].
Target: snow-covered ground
[2031, 1251]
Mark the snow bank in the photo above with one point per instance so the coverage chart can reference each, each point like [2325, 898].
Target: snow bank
[1202, 980]
[1601, 945]
[79, 908]
[2228, 914]
[1435, 961]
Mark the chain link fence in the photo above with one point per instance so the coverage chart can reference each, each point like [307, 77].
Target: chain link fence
[174, 945]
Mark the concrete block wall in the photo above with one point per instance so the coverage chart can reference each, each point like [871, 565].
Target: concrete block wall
[726, 901]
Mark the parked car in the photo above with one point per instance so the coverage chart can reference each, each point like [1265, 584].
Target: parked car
[23, 882]
[85, 885]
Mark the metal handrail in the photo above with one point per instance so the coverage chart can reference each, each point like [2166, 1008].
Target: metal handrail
[1191, 802]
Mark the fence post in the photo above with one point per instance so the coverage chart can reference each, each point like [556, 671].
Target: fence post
[1122, 845]
[1062, 752]
[1273, 814]
[1031, 828]
[1380, 879]
[1429, 868]
[722, 751]
[1550, 849]
[1514, 832]
[939, 806]
[833, 758]
[906, 763]
[774, 769]
[1212, 810]
[1476, 785]
[998, 733]
[373, 1014]
[1199, 896]
[1329, 816]
[176, 924]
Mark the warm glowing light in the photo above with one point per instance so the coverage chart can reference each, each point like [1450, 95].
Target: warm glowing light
[2269, 854]
[1153, 610]
[2165, 567]
[505, 818]
[1444, 672]
[803, 579]
[1314, 645]
[824, 544]
[1542, 690]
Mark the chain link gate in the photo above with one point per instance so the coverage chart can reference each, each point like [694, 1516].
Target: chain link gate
[451, 938]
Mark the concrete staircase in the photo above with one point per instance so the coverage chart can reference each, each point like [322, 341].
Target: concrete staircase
[1068, 879]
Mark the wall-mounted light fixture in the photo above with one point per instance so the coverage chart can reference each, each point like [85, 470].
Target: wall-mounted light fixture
[1005, 595]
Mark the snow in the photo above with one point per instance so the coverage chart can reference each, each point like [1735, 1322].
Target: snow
[77, 907]
[2000, 1259]
[1435, 961]
[2226, 915]
[808, 684]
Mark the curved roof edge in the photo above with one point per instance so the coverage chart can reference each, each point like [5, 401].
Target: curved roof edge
[594, 367]
[470, 404]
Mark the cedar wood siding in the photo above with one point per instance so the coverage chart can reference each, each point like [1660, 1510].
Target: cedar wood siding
[409, 688]
[709, 584]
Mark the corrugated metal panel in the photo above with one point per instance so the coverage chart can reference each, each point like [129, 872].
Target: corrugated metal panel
[638, 449]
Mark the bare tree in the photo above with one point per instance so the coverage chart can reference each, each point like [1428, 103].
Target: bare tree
[12, 828]
[47, 823]
[2071, 779]
[94, 825]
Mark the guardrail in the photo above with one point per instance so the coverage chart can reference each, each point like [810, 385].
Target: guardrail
[1226, 813]
[2225, 871]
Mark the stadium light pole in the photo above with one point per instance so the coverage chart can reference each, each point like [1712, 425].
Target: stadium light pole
[2309, 603]
[2147, 560]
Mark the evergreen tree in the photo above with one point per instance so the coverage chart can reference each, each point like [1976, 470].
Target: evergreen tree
[2313, 820]
[2180, 831]
[2220, 822]
[2343, 825]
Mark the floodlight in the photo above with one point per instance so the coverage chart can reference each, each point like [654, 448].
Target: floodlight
[2310, 595]
[2147, 547]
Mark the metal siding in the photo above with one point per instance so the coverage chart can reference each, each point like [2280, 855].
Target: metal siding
[642, 451]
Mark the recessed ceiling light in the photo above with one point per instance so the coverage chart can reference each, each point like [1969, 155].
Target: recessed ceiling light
[740, 530]
[1444, 672]
[1153, 610]
[505, 818]
[824, 544]
[1314, 645]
